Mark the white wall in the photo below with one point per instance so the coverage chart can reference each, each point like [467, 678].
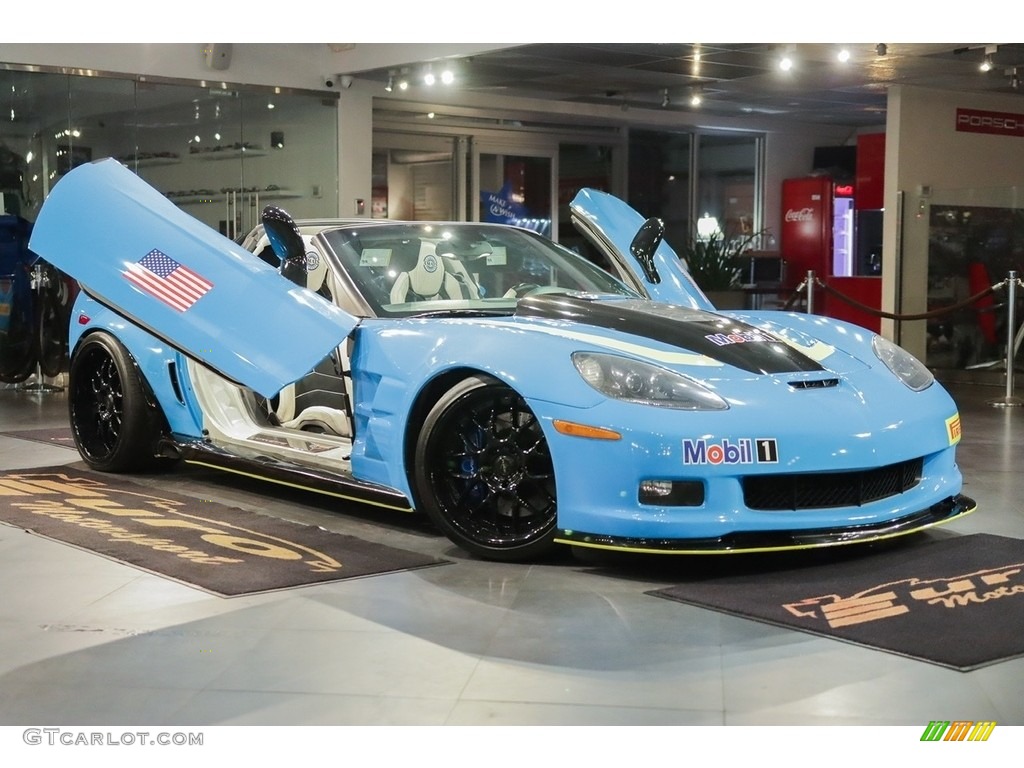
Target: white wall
[923, 148]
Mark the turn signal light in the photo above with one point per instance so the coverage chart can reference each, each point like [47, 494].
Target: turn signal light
[585, 430]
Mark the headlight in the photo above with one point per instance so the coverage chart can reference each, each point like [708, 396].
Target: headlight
[625, 379]
[907, 368]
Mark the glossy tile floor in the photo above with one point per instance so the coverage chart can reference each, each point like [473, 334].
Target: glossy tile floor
[88, 641]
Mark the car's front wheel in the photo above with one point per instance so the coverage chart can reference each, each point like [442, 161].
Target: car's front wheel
[484, 474]
[115, 428]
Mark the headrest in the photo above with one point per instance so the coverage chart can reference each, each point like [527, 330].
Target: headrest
[426, 278]
[316, 267]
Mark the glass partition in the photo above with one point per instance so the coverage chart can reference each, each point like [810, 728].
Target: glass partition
[220, 153]
[581, 166]
[726, 181]
[659, 180]
[975, 238]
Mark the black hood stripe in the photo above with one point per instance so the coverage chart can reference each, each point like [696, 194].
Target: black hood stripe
[718, 337]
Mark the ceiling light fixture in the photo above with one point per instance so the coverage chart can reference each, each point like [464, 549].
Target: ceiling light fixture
[881, 49]
[787, 57]
[664, 98]
[696, 98]
[447, 77]
[843, 55]
[390, 86]
[990, 51]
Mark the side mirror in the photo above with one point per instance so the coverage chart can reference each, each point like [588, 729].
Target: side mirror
[287, 243]
[645, 243]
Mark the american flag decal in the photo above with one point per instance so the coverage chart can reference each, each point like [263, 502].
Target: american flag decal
[163, 278]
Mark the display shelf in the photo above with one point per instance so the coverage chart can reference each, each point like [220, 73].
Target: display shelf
[153, 162]
[275, 194]
[228, 154]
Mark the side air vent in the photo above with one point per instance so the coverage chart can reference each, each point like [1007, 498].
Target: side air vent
[815, 384]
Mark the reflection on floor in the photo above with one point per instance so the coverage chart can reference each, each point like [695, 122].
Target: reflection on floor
[84, 640]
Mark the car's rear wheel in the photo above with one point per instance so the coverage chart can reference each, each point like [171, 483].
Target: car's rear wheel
[484, 474]
[116, 428]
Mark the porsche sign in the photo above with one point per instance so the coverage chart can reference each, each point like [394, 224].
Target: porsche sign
[984, 121]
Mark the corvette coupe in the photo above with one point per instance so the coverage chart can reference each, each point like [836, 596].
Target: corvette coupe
[504, 386]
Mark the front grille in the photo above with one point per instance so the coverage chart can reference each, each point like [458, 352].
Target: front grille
[830, 489]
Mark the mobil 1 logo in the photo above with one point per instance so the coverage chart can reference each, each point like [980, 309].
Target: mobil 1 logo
[745, 450]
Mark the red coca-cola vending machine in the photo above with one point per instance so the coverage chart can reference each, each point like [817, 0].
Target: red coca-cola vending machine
[817, 234]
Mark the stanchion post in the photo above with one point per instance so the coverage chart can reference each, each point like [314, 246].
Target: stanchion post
[810, 291]
[1011, 329]
[39, 385]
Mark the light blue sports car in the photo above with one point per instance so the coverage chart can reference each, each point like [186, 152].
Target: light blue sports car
[518, 395]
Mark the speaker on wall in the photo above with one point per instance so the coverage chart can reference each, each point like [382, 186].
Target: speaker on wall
[218, 55]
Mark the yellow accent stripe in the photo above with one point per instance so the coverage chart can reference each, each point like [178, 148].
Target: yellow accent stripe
[299, 486]
[657, 551]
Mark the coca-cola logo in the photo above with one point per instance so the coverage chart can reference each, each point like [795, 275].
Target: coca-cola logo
[804, 214]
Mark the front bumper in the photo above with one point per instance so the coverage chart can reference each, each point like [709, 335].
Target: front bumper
[737, 542]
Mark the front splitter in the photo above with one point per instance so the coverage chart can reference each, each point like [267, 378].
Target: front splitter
[741, 542]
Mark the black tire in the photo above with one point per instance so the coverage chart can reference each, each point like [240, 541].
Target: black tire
[484, 475]
[116, 428]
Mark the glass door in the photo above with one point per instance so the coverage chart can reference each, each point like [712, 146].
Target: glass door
[415, 178]
[514, 186]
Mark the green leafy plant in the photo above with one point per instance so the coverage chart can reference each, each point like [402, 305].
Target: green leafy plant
[716, 262]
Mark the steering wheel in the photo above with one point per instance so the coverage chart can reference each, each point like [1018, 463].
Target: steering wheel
[521, 289]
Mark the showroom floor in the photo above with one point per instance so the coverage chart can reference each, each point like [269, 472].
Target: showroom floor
[85, 640]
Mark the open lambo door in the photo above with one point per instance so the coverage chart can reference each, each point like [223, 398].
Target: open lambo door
[139, 254]
[636, 247]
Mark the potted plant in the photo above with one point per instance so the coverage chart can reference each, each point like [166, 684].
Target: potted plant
[716, 263]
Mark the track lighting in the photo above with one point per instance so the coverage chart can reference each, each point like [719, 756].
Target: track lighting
[664, 98]
[696, 98]
[390, 86]
[990, 51]
[881, 49]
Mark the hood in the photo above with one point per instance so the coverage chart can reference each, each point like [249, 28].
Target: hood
[717, 337]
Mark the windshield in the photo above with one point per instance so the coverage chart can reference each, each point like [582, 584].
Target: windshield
[416, 268]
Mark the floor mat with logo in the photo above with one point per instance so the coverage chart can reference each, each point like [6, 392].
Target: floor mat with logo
[224, 550]
[957, 602]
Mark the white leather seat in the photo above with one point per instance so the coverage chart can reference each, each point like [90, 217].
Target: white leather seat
[315, 417]
[428, 279]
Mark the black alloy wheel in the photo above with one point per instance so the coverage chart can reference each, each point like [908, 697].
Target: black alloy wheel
[115, 427]
[484, 474]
